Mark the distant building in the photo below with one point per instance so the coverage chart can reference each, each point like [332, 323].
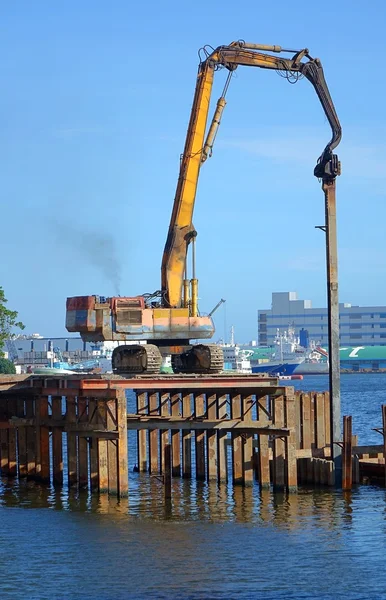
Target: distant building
[359, 325]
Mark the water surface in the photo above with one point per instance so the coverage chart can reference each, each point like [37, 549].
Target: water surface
[211, 542]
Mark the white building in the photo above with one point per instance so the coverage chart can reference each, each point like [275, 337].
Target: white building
[359, 325]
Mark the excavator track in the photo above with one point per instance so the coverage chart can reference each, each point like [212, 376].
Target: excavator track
[202, 358]
[136, 359]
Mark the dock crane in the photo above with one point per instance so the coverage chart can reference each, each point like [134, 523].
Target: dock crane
[169, 318]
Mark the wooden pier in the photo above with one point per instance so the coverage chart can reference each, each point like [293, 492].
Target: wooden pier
[73, 430]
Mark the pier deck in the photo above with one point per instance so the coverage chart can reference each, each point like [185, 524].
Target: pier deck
[243, 428]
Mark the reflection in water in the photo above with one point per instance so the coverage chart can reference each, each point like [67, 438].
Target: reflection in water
[193, 501]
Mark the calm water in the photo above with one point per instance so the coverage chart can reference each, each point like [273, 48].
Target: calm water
[211, 543]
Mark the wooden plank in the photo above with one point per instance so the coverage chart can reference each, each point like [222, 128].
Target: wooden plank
[72, 463]
[141, 435]
[123, 471]
[222, 438]
[278, 445]
[211, 439]
[153, 435]
[176, 411]
[237, 443]
[21, 440]
[57, 459]
[291, 474]
[247, 407]
[347, 453]
[165, 434]
[320, 421]
[186, 438]
[112, 448]
[236, 425]
[83, 444]
[30, 438]
[199, 407]
[12, 463]
[93, 445]
[103, 471]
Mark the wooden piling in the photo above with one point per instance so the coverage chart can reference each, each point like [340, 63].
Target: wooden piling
[199, 404]
[248, 402]
[12, 463]
[290, 442]
[211, 439]
[57, 446]
[102, 450]
[167, 473]
[141, 435]
[112, 447]
[176, 410]
[164, 435]
[237, 443]
[21, 440]
[278, 444]
[83, 444]
[93, 445]
[122, 442]
[42, 434]
[263, 448]
[186, 438]
[347, 453]
[384, 434]
[30, 437]
[222, 440]
[154, 466]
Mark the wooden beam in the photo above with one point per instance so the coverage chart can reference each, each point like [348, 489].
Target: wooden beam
[238, 425]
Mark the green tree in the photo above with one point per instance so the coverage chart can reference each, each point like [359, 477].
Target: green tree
[7, 367]
[8, 320]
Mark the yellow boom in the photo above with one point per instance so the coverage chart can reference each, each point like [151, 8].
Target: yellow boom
[197, 149]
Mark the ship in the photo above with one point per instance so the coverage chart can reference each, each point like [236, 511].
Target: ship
[236, 359]
[289, 357]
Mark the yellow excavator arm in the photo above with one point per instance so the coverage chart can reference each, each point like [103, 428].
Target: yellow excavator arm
[198, 147]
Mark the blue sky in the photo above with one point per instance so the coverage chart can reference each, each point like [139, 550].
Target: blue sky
[94, 107]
